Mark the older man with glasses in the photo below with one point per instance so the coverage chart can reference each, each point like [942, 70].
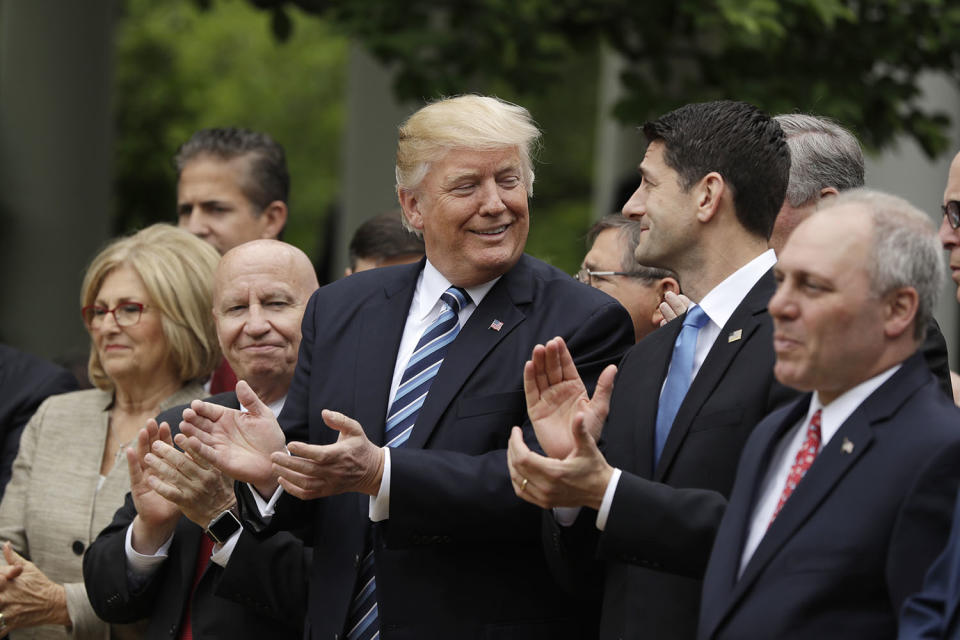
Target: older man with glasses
[610, 266]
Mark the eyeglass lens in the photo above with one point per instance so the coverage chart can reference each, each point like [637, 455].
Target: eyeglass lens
[952, 211]
[125, 314]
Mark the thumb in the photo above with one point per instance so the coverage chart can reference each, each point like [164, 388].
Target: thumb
[249, 399]
[11, 556]
[346, 425]
[600, 402]
[583, 442]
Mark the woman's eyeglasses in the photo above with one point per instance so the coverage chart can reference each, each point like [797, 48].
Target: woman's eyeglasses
[125, 314]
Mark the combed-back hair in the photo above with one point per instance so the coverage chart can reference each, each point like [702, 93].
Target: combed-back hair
[737, 140]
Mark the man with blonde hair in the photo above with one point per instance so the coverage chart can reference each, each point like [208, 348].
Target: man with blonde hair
[408, 383]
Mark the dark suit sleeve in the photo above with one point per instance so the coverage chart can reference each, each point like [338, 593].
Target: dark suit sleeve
[105, 573]
[25, 387]
[645, 510]
[934, 349]
[923, 525]
[268, 575]
[471, 497]
[924, 613]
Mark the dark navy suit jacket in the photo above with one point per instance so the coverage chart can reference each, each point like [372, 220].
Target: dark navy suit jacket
[460, 555]
[859, 531]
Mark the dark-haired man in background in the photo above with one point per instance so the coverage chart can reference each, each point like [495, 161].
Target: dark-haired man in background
[232, 186]
[713, 178]
[383, 241]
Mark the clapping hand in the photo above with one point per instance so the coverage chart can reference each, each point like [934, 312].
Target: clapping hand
[237, 443]
[556, 396]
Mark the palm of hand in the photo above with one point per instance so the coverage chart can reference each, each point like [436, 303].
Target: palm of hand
[243, 444]
[553, 415]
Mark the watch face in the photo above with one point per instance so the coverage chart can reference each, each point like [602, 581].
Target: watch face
[223, 526]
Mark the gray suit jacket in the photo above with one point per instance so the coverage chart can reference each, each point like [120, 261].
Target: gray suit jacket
[52, 509]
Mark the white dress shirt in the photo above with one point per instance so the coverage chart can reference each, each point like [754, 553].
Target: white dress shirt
[719, 304]
[832, 418]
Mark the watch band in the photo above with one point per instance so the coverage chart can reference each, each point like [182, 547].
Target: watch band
[223, 526]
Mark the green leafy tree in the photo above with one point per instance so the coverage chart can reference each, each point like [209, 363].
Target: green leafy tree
[181, 68]
[856, 60]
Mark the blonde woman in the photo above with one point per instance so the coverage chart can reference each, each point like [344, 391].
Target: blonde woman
[146, 303]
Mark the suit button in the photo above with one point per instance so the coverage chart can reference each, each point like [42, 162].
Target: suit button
[173, 630]
[77, 547]
[356, 561]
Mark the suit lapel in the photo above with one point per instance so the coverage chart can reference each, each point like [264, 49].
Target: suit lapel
[725, 566]
[831, 465]
[475, 340]
[746, 321]
[382, 322]
[826, 472]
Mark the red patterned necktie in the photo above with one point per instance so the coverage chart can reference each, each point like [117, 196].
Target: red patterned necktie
[203, 559]
[805, 456]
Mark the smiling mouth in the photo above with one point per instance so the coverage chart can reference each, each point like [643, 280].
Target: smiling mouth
[492, 232]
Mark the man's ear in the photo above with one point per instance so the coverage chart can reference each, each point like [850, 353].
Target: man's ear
[273, 219]
[662, 286]
[667, 284]
[410, 203]
[709, 192]
[900, 311]
[828, 192]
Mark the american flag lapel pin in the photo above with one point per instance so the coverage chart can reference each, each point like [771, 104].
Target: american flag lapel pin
[496, 325]
[735, 335]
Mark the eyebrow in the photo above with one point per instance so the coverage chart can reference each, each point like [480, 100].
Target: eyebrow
[472, 173]
[203, 203]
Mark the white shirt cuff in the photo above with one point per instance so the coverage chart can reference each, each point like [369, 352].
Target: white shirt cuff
[265, 507]
[140, 566]
[380, 504]
[604, 510]
[566, 516]
[221, 556]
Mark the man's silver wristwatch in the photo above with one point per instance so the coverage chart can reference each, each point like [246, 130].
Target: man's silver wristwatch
[223, 526]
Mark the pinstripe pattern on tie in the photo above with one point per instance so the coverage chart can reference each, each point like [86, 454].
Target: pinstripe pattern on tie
[421, 369]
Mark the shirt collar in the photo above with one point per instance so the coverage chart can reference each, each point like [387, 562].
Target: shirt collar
[720, 303]
[843, 406]
[432, 284]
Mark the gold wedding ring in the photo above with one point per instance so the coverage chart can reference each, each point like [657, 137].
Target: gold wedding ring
[523, 485]
[3, 623]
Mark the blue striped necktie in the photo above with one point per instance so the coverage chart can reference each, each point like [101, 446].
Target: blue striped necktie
[421, 369]
[679, 377]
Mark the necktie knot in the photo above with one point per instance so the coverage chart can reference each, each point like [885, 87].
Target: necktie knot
[696, 317]
[455, 298]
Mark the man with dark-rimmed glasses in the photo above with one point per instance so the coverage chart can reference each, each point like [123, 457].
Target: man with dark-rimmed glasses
[949, 232]
[933, 612]
[610, 266]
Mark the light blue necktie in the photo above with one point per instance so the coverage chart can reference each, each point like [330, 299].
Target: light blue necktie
[678, 380]
[363, 620]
